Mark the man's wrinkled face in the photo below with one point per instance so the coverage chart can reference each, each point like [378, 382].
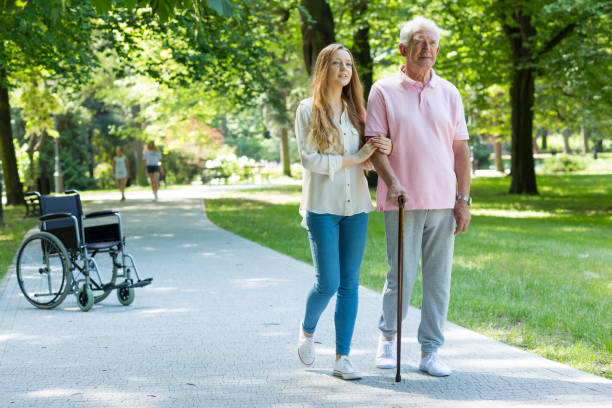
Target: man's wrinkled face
[422, 50]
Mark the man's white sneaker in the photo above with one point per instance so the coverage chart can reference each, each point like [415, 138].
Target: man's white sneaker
[306, 350]
[344, 368]
[432, 365]
[386, 355]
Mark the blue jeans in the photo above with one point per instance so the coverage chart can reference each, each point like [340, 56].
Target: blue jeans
[337, 243]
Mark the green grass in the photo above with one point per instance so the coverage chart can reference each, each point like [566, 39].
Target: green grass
[532, 271]
[11, 234]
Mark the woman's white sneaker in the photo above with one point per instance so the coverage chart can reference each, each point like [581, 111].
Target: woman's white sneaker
[344, 369]
[306, 350]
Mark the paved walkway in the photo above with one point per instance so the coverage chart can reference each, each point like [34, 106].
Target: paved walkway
[218, 328]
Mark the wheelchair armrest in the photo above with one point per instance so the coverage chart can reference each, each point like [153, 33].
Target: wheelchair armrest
[104, 213]
[55, 216]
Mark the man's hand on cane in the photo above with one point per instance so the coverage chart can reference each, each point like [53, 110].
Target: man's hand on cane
[395, 191]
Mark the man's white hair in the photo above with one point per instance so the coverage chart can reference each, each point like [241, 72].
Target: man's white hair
[416, 24]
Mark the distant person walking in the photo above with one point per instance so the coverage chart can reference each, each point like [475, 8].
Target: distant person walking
[430, 167]
[120, 170]
[153, 165]
[335, 197]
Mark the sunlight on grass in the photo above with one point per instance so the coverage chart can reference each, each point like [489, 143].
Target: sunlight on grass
[511, 214]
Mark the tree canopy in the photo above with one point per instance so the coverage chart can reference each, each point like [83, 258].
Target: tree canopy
[205, 76]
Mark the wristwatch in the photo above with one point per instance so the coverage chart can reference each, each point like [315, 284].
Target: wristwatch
[467, 199]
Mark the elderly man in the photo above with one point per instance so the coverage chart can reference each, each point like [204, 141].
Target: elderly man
[429, 165]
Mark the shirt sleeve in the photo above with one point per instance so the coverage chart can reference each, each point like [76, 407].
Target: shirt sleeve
[461, 131]
[376, 116]
[312, 160]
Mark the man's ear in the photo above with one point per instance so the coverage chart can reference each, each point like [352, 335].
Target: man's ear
[402, 48]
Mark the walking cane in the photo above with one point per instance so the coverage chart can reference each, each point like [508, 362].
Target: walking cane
[400, 282]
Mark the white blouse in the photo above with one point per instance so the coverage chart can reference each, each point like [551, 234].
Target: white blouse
[327, 188]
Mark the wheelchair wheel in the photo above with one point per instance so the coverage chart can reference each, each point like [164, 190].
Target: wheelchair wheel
[43, 270]
[125, 296]
[85, 298]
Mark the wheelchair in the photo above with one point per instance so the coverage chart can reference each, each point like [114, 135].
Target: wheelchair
[60, 258]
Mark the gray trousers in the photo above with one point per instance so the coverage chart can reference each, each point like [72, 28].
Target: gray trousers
[428, 234]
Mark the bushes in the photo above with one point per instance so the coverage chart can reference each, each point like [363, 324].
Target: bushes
[482, 156]
[230, 168]
[563, 164]
[179, 168]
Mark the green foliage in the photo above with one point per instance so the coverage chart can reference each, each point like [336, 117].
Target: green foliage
[11, 233]
[103, 174]
[482, 156]
[74, 153]
[179, 168]
[562, 164]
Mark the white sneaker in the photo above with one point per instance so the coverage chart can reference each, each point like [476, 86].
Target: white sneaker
[306, 350]
[386, 355]
[345, 369]
[432, 365]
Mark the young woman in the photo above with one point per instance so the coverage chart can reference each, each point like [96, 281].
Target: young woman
[120, 166]
[335, 197]
[152, 160]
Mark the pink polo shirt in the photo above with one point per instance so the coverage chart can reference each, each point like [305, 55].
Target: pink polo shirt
[422, 123]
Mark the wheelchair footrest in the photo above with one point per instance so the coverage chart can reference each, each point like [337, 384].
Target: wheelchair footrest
[126, 284]
[141, 283]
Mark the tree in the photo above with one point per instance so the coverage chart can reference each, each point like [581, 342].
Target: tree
[361, 44]
[50, 35]
[317, 30]
[514, 48]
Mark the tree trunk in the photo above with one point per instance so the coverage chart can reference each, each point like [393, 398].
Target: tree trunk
[361, 45]
[1, 209]
[317, 30]
[285, 159]
[499, 164]
[14, 195]
[139, 177]
[31, 180]
[566, 147]
[223, 122]
[544, 137]
[585, 137]
[522, 91]
[521, 99]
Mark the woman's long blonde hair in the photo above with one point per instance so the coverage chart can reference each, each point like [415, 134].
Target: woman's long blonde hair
[323, 134]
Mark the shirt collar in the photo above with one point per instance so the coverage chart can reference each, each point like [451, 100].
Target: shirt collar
[408, 82]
